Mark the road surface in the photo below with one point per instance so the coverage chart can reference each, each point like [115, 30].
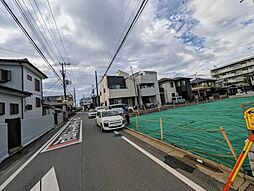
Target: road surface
[80, 157]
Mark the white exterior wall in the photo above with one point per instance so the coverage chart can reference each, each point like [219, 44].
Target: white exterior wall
[123, 93]
[3, 142]
[29, 86]
[16, 76]
[32, 129]
[168, 90]
[149, 77]
[104, 97]
[7, 99]
[59, 118]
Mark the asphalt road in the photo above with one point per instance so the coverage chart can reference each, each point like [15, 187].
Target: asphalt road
[102, 161]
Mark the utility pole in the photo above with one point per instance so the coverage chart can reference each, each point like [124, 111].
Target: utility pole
[63, 76]
[97, 91]
[135, 88]
[197, 86]
[74, 97]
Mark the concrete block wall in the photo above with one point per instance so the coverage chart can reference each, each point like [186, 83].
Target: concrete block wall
[3, 142]
[33, 128]
[59, 118]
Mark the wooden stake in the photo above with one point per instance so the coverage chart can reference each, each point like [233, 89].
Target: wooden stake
[229, 143]
[161, 127]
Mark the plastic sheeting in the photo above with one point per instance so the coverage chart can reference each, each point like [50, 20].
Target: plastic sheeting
[197, 128]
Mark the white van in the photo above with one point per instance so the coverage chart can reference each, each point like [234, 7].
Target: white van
[178, 99]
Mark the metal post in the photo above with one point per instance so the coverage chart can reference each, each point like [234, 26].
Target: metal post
[97, 91]
[229, 143]
[135, 89]
[161, 128]
[74, 97]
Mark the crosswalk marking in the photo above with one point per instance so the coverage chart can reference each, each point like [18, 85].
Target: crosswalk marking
[48, 182]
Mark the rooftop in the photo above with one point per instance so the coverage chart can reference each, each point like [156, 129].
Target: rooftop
[200, 80]
[26, 63]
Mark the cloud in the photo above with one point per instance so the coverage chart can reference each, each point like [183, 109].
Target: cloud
[174, 38]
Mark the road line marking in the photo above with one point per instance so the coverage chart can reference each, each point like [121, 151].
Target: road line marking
[49, 181]
[6, 182]
[80, 131]
[116, 132]
[165, 166]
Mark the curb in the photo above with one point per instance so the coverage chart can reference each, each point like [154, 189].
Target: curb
[208, 167]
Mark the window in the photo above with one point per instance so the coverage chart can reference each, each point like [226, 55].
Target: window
[5, 75]
[178, 84]
[171, 84]
[38, 102]
[183, 82]
[14, 108]
[104, 90]
[37, 85]
[29, 77]
[173, 94]
[2, 108]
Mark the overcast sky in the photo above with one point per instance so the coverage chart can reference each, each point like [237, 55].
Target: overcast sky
[174, 38]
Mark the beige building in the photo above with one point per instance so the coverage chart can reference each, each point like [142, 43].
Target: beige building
[117, 89]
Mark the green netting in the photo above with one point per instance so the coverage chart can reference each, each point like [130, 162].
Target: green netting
[197, 128]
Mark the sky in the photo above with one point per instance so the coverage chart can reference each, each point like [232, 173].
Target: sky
[172, 37]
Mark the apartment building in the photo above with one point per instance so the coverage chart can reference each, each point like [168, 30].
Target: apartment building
[117, 89]
[202, 88]
[238, 74]
[148, 88]
[167, 90]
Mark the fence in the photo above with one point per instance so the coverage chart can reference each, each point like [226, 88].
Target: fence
[3, 141]
[33, 128]
[213, 130]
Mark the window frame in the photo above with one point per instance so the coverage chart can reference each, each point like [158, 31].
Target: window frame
[28, 77]
[37, 100]
[14, 111]
[2, 113]
[37, 88]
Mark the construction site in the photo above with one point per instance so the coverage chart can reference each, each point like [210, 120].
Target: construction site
[214, 130]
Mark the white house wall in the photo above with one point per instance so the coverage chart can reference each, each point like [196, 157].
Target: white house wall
[7, 99]
[168, 90]
[3, 141]
[16, 76]
[29, 86]
[31, 129]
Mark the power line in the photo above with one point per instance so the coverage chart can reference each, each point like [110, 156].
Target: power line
[51, 35]
[141, 8]
[30, 39]
[52, 14]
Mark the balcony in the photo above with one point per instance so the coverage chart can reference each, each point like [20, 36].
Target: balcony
[120, 93]
[148, 91]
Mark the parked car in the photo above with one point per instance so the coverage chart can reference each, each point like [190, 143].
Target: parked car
[101, 108]
[149, 105]
[119, 108]
[178, 99]
[109, 120]
[92, 113]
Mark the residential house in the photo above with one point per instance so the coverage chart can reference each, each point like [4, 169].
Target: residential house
[167, 90]
[183, 87]
[148, 88]
[236, 75]
[20, 104]
[117, 89]
[203, 88]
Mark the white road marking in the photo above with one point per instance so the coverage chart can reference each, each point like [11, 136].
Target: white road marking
[49, 181]
[31, 158]
[37, 187]
[80, 131]
[165, 166]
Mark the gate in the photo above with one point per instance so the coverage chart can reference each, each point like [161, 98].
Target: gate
[14, 134]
